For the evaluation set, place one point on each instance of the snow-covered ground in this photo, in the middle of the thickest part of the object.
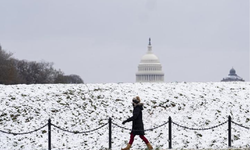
(85, 107)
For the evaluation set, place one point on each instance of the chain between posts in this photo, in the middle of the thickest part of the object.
(248, 128)
(170, 122)
(200, 128)
(81, 132)
(22, 133)
(78, 132)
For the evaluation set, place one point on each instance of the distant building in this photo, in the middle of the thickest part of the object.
(232, 76)
(149, 68)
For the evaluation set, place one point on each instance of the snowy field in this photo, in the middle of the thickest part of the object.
(84, 107)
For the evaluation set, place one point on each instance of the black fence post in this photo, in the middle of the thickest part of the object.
(170, 133)
(49, 134)
(110, 133)
(229, 131)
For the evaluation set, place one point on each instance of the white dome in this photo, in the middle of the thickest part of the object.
(149, 68)
(149, 58)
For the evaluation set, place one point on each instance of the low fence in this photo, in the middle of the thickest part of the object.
(110, 123)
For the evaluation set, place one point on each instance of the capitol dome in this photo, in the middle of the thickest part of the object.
(149, 68)
(150, 58)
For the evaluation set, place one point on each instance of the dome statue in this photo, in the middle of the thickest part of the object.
(149, 68)
(232, 76)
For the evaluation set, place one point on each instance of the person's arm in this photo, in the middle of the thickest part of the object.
(135, 115)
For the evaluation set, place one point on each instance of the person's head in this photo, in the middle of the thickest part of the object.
(136, 100)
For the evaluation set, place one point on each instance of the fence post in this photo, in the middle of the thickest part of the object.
(229, 131)
(170, 133)
(110, 133)
(49, 134)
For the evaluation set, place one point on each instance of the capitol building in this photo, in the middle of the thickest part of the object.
(149, 68)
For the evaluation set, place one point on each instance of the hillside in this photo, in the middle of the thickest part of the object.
(82, 107)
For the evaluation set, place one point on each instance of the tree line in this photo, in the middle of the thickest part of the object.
(14, 71)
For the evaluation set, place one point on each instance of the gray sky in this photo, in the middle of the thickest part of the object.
(104, 40)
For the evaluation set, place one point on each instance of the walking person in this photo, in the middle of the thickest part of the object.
(137, 126)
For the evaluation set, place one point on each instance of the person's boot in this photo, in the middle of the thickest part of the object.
(149, 146)
(127, 148)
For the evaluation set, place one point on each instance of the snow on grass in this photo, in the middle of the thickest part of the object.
(84, 107)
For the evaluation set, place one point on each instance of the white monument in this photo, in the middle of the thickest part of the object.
(149, 69)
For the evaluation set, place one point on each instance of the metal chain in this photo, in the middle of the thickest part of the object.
(121, 126)
(200, 128)
(151, 129)
(78, 132)
(241, 125)
(24, 132)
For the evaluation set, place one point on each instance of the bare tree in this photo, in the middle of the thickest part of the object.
(13, 71)
(7, 68)
(74, 79)
(69, 79)
(36, 72)
(60, 78)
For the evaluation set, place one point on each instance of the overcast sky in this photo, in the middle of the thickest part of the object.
(103, 40)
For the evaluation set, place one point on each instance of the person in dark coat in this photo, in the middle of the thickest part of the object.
(137, 126)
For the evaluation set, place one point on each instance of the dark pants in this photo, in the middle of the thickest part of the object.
(132, 136)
